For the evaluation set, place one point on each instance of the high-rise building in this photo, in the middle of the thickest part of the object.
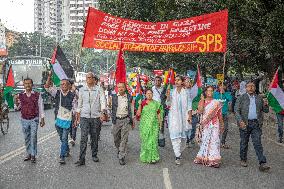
(47, 18)
(61, 18)
(75, 15)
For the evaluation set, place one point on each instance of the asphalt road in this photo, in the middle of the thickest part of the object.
(48, 173)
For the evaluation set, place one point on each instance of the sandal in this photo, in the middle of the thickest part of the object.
(216, 165)
(225, 146)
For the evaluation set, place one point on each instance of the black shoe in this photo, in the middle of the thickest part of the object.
(244, 163)
(62, 161)
(80, 163)
(33, 159)
(280, 140)
(96, 159)
(122, 161)
(263, 167)
(27, 158)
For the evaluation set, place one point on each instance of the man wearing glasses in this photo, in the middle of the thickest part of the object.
(91, 112)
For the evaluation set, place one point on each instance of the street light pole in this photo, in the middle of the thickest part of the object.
(40, 44)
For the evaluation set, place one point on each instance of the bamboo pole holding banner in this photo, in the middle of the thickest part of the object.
(224, 64)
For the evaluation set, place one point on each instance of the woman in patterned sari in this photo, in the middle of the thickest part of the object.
(212, 125)
(151, 113)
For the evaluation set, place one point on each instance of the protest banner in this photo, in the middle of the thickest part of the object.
(205, 33)
(158, 72)
(211, 81)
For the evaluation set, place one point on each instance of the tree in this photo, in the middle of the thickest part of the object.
(28, 44)
(255, 32)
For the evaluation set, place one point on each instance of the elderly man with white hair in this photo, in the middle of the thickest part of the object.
(90, 114)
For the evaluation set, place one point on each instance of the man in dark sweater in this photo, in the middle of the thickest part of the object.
(64, 103)
(122, 120)
(31, 106)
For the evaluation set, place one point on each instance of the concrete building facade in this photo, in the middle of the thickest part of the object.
(61, 18)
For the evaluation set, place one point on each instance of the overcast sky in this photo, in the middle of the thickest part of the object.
(17, 15)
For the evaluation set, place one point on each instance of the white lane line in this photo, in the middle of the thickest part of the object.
(167, 180)
(22, 149)
(271, 140)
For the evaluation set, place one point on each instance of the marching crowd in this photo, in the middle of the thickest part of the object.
(204, 122)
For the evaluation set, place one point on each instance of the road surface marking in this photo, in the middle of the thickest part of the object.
(167, 180)
(22, 149)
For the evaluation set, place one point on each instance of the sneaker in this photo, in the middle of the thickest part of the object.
(187, 144)
(96, 159)
(177, 161)
(280, 140)
(80, 163)
(122, 161)
(263, 167)
(244, 163)
(72, 142)
(62, 161)
(225, 146)
(27, 158)
(33, 159)
(67, 154)
(191, 144)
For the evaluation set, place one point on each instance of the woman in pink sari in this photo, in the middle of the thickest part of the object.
(211, 125)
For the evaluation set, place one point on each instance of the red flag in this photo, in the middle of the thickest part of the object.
(120, 73)
(10, 82)
(198, 80)
(172, 76)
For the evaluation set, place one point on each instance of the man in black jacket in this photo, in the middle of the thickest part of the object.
(249, 114)
(122, 120)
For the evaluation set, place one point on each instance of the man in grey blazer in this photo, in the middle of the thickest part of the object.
(249, 110)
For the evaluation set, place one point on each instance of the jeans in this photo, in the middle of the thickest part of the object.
(29, 128)
(63, 135)
(255, 131)
(280, 119)
(90, 126)
(193, 130)
(226, 125)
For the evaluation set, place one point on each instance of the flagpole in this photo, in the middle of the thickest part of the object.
(224, 64)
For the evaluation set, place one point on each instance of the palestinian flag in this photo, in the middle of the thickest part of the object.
(196, 90)
(138, 92)
(61, 67)
(275, 96)
(9, 87)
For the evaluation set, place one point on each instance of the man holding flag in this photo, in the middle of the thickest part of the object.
(64, 103)
(122, 109)
(276, 101)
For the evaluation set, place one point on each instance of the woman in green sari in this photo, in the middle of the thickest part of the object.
(151, 113)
